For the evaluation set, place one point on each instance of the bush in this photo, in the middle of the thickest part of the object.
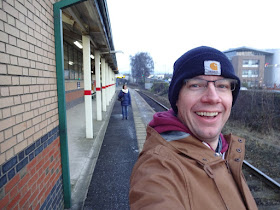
(257, 110)
(160, 88)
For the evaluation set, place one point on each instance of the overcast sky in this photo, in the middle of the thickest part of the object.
(166, 29)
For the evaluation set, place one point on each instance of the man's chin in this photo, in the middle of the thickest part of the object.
(209, 137)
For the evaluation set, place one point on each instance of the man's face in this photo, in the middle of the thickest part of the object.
(206, 111)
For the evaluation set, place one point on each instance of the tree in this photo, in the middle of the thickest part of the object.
(142, 65)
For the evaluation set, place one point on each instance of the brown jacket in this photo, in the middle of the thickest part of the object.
(185, 174)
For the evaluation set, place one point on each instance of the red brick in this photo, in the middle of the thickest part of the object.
(52, 179)
(51, 153)
(47, 178)
(49, 188)
(52, 165)
(24, 180)
(16, 207)
(26, 206)
(33, 196)
(31, 186)
(32, 164)
(47, 150)
(33, 179)
(45, 166)
(44, 153)
(56, 153)
(35, 202)
(12, 183)
(73, 95)
(25, 188)
(40, 171)
(39, 180)
(14, 192)
(34, 187)
(39, 157)
(41, 186)
(59, 174)
(41, 194)
(24, 199)
(37, 207)
(58, 165)
(33, 171)
(14, 202)
(40, 164)
(4, 201)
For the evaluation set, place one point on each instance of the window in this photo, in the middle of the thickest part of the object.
(73, 62)
(250, 73)
(250, 63)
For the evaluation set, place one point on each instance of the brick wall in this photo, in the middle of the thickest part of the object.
(28, 102)
(74, 97)
(32, 178)
(73, 94)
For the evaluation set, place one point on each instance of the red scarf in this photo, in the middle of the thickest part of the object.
(167, 121)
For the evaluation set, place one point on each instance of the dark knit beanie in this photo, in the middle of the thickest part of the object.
(200, 61)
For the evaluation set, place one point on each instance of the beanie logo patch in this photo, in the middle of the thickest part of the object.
(212, 68)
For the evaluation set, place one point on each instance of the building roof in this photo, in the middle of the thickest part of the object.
(240, 49)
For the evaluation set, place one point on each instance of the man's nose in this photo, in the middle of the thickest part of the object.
(211, 95)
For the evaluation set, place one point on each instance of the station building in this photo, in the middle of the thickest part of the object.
(256, 68)
(42, 73)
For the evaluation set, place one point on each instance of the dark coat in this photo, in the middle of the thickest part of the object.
(126, 98)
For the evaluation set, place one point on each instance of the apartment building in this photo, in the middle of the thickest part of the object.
(256, 68)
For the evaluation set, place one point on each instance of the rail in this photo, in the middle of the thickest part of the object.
(260, 173)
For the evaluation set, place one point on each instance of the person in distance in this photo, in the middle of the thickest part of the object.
(186, 163)
(125, 99)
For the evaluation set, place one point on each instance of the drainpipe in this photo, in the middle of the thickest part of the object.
(59, 57)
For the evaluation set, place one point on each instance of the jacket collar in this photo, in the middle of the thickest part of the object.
(195, 149)
(167, 121)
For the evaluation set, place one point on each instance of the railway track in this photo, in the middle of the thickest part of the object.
(265, 190)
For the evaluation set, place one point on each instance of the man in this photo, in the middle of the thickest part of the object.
(186, 162)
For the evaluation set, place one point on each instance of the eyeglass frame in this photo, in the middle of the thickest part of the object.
(233, 82)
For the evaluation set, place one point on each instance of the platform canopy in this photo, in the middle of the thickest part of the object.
(91, 18)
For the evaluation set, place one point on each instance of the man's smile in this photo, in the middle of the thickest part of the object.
(207, 114)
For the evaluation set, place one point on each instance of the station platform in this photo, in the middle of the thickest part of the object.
(100, 167)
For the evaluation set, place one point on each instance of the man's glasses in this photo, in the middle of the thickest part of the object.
(221, 85)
